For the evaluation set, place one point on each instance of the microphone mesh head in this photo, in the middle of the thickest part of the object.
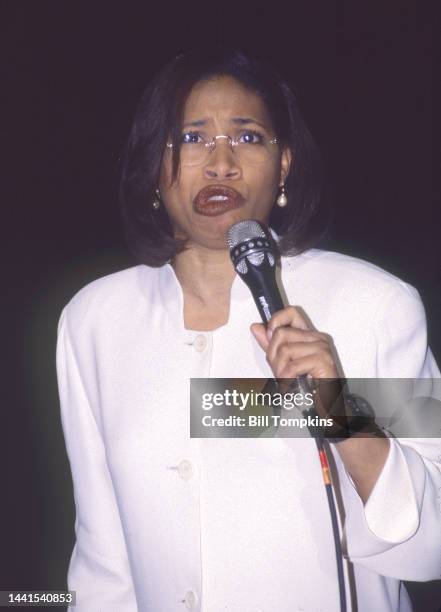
(245, 230)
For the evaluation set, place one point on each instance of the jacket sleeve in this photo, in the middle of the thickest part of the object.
(99, 569)
(397, 533)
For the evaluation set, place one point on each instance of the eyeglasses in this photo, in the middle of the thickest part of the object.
(250, 147)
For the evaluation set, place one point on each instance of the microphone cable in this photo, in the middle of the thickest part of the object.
(254, 255)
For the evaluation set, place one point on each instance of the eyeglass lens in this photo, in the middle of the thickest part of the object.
(248, 148)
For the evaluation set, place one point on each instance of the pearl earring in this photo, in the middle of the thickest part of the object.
(156, 200)
(282, 200)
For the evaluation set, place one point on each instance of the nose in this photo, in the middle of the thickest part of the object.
(221, 163)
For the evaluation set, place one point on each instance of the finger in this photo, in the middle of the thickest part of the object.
(292, 336)
(287, 351)
(259, 332)
(288, 316)
(309, 365)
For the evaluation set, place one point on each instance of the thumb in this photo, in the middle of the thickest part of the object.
(259, 332)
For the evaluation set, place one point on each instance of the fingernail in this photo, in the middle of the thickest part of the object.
(269, 334)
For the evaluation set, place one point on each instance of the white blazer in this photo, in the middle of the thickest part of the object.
(166, 523)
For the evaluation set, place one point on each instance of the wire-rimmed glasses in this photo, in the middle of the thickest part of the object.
(249, 147)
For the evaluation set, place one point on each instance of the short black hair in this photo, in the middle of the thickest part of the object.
(158, 119)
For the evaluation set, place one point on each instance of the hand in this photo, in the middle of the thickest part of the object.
(294, 348)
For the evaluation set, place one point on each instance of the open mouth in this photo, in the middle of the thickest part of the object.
(214, 200)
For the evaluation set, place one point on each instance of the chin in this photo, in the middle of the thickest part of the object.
(211, 232)
(214, 243)
(223, 222)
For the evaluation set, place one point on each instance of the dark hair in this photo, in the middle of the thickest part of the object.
(159, 118)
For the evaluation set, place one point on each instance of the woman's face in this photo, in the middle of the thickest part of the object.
(209, 197)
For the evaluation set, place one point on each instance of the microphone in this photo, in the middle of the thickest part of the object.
(254, 254)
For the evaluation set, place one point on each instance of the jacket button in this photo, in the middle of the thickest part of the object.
(191, 600)
(200, 343)
(185, 470)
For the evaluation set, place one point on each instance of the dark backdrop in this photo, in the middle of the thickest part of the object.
(367, 79)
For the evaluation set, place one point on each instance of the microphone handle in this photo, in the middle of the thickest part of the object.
(267, 297)
(267, 305)
(262, 284)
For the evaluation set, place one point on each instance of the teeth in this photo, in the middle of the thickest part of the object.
(217, 198)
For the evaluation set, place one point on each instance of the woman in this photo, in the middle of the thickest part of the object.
(165, 522)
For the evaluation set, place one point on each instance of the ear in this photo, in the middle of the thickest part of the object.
(285, 164)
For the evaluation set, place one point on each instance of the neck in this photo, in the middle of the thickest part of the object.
(205, 274)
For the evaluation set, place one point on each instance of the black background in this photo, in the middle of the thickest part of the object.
(367, 76)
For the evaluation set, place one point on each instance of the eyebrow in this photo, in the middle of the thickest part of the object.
(234, 120)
